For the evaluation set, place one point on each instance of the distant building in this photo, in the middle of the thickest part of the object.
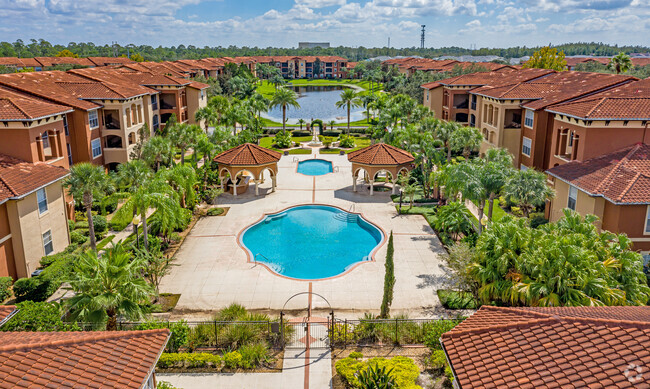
(313, 45)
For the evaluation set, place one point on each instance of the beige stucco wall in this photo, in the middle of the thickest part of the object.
(585, 204)
(195, 100)
(433, 101)
(27, 228)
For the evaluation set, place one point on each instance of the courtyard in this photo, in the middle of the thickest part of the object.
(212, 270)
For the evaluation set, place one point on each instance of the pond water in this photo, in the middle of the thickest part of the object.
(316, 102)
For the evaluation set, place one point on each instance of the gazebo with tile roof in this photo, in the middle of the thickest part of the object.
(377, 158)
(251, 158)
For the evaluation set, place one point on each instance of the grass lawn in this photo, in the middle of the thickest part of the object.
(428, 211)
(267, 89)
(497, 212)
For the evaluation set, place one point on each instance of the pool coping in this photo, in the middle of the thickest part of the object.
(251, 259)
(310, 159)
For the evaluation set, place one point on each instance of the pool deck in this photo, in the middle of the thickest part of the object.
(213, 270)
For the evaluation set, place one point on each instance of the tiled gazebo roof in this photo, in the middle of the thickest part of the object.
(380, 154)
(248, 154)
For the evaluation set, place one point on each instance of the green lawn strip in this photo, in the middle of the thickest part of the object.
(497, 212)
(428, 211)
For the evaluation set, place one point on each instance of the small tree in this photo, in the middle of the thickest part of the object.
(389, 279)
(547, 58)
(156, 266)
(528, 188)
(620, 63)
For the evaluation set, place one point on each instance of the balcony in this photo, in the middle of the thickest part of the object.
(115, 155)
(512, 119)
(112, 119)
(461, 101)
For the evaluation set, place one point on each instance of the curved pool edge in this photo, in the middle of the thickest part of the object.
(251, 259)
(311, 175)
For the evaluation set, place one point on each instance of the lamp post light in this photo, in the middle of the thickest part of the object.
(401, 194)
(136, 222)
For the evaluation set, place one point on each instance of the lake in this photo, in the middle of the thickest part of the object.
(316, 102)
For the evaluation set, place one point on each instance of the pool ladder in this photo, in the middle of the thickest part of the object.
(295, 159)
(259, 255)
(335, 169)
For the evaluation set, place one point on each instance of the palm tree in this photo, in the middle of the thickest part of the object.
(132, 174)
(284, 98)
(208, 114)
(349, 99)
(183, 136)
(182, 180)
(87, 181)
(301, 122)
(466, 139)
(277, 81)
(444, 132)
(157, 150)
(155, 193)
(108, 286)
(620, 63)
(258, 104)
(528, 188)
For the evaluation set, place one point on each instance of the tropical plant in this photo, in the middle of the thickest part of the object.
(108, 286)
(528, 188)
(444, 132)
(389, 279)
(620, 63)
(376, 377)
(452, 219)
(183, 136)
(466, 139)
(132, 174)
(547, 58)
(157, 151)
(349, 98)
(87, 181)
(284, 98)
(38, 316)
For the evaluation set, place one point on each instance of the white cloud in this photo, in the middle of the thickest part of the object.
(473, 24)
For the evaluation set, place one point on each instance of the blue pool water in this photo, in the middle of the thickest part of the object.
(315, 167)
(311, 242)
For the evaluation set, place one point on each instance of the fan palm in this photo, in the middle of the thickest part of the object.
(132, 174)
(444, 132)
(620, 63)
(157, 150)
(183, 136)
(182, 180)
(284, 98)
(108, 286)
(86, 182)
(348, 99)
(528, 188)
(466, 139)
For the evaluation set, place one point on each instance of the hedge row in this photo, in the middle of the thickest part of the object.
(5, 284)
(246, 357)
(403, 370)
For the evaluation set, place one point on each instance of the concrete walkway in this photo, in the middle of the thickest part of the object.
(299, 371)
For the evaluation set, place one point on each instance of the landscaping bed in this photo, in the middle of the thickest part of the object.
(166, 302)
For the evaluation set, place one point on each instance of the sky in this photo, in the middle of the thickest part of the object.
(369, 23)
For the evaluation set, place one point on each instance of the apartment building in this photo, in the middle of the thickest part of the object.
(409, 65)
(572, 62)
(42, 63)
(33, 206)
(614, 186)
(103, 126)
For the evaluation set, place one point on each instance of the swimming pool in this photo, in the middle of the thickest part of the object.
(315, 167)
(311, 242)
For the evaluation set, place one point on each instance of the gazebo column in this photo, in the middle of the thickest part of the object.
(234, 186)
(257, 187)
(372, 186)
(354, 183)
(394, 185)
(273, 179)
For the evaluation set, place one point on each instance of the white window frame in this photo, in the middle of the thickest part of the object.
(47, 240)
(646, 230)
(93, 119)
(96, 144)
(530, 115)
(528, 146)
(569, 198)
(41, 198)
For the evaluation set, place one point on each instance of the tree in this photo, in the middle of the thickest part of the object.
(156, 266)
(459, 260)
(108, 286)
(143, 136)
(182, 180)
(284, 98)
(547, 58)
(137, 58)
(66, 53)
(277, 81)
(183, 136)
(620, 63)
(156, 151)
(258, 104)
(467, 139)
(301, 122)
(528, 188)
(132, 174)
(452, 220)
(86, 182)
(444, 132)
(349, 99)
(389, 279)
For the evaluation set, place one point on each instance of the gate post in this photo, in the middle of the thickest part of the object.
(281, 330)
(331, 329)
(345, 334)
(396, 331)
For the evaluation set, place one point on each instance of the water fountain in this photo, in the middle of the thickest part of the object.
(315, 142)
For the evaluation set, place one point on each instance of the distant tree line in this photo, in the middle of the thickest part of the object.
(43, 48)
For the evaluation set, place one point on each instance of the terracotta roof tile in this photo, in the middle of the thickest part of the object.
(248, 154)
(621, 177)
(5, 312)
(380, 154)
(549, 347)
(19, 178)
(16, 106)
(79, 359)
(495, 78)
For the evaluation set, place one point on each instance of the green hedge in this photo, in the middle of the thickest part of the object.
(435, 331)
(404, 370)
(5, 284)
(77, 237)
(300, 133)
(189, 360)
(335, 133)
(43, 286)
(179, 331)
(38, 316)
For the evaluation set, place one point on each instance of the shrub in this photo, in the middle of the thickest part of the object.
(355, 355)
(5, 284)
(80, 215)
(389, 279)
(81, 224)
(71, 225)
(283, 140)
(253, 354)
(435, 331)
(346, 142)
(179, 332)
(100, 224)
(516, 211)
(437, 360)
(232, 360)
(83, 231)
(452, 299)
(231, 313)
(165, 385)
(191, 360)
(118, 226)
(214, 211)
(38, 316)
(76, 237)
(537, 219)
(300, 133)
(403, 370)
(376, 377)
(32, 289)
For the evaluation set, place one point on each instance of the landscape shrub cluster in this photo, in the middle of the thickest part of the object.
(38, 316)
(39, 288)
(5, 285)
(404, 371)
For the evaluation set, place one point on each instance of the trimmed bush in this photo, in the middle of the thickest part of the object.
(404, 371)
(232, 359)
(298, 133)
(77, 237)
(100, 224)
(190, 360)
(117, 227)
(43, 286)
(81, 224)
(214, 211)
(333, 133)
(5, 284)
(38, 316)
(355, 355)
(389, 279)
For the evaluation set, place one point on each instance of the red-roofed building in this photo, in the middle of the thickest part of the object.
(6, 312)
(97, 359)
(614, 186)
(555, 347)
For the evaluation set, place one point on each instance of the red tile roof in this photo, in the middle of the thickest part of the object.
(106, 359)
(494, 78)
(573, 347)
(248, 154)
(6, 311)
(19, 178)
(16, 106)
(621, 177)
(380, 154)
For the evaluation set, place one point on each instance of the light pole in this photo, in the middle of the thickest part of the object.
(136, 221)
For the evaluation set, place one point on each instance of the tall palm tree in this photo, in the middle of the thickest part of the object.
(208, 114)
(157, 150)
(86, 182)
(284, 98)
(258, 104)
(301, 122)
(466, 139)
(109, 286)
(220, 105)
(182, 180)
(349, 99)
(528, 188)
(132, 174)
(183, 136)
(444, 132)
(620, 63)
